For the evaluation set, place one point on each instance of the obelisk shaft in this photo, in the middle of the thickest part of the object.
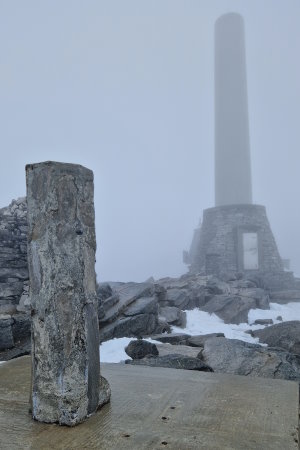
(232, 147)
(61, 258)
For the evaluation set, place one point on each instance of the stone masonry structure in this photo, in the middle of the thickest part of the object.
(66, 382)
(219, 247)
(235, 235)
(13, 254)
(14, 321)
(232, 142)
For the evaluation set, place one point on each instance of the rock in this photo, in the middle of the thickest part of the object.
(172, 361)
(285, 335)
(143, 305)
(172, 338)
(174, 283)
(173, 315)
(259, 295)
(138, 349)
(279, 318)
(163, 326)
(13, 252)
(21, 327)
(103, 291)
(256, 280)
(134, 326)
(263, 322)
(242, 358)
(19, 349)
(24, 303)
(132, 311)
(186, 292)
(232, 309)
(8, 309)
(285, 296)
(217, 287)
(184, 350)
(104, 391)
(6, 335)
(100, 311)
(129, 299)
(109, 302)
(230, 276)
(199, 341)
(61, 259)
(129, 292)
(180, 298)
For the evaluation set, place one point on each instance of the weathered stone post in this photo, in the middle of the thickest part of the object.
(66, 382)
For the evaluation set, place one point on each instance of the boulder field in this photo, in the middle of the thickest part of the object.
(150, 309)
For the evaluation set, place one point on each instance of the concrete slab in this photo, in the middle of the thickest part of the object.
(155, 408)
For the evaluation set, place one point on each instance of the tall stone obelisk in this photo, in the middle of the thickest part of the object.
(232, 147)
(235, 235)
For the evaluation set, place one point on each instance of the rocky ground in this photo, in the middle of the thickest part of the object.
(151, 309)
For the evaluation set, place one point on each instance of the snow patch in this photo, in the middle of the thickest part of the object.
(289, 311)
(113, 351)
(200, 322)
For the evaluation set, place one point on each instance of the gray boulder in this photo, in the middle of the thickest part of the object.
(172, 338)
(173, 315)
(8, 309)
(6, 335)
(131, 311)
(143, 305)
(242, 358)
(217, 287)
(133, 326)
(139, 349)
(129, 292)
(163, 326)
(285, 335)
(286, 296)
(103, 291)
(184, 350)
(20, 349)
(199, 340)
(124, 296)
(172, 361)
(263, 322)
(21, 327)
(234, 308)
(109, 302)
(179, 298)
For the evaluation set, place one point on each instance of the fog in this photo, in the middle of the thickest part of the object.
(127, 89)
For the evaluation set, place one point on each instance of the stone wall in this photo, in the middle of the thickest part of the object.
(219, 244)
(13, 254)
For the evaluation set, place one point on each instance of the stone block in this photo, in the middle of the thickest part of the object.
(66, 384)
(6, 336)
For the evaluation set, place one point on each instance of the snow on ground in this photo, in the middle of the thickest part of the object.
(200, 322)
(290, 311)
(113, 351)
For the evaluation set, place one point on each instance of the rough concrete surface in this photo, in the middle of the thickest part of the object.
(155, 408)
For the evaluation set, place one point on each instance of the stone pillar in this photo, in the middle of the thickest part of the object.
(66, 382)
(232, 144)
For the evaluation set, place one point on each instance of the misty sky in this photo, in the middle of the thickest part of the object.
(126, 89)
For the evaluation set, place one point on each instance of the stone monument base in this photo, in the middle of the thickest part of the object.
(238, 238)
